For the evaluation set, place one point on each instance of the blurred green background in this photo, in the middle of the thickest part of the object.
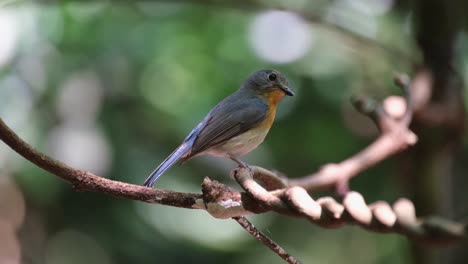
(114, 87)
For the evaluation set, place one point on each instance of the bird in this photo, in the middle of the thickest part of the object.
(236, 125)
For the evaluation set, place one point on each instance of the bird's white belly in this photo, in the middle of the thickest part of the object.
(240, 145)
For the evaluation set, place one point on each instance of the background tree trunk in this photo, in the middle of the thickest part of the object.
(430, 167)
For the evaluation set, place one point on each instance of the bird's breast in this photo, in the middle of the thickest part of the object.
(247, 141)
(244, 143)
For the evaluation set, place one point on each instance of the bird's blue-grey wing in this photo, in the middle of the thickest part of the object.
(231, 117)
(227, 120)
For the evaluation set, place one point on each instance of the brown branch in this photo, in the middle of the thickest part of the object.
(86, 181)
(377, 217)
(245, 178)
(249, 227)
(395, 137)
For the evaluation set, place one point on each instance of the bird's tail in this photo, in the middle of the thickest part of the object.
(168, 162)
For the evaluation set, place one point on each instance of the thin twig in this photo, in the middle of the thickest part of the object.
(268, 242)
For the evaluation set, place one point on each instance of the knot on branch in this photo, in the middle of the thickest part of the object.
(220, 200)
(216, 192)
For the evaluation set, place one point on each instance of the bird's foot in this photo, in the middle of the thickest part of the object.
(240, 163)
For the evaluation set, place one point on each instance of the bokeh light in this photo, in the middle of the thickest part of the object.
(83, 147)
(86, 11)
(280, 36)
(16, 101)
(12, 213)
(12, 204)
(371, 7)
(356, 20)
(9, 33)
(10, 251)
(79, 99)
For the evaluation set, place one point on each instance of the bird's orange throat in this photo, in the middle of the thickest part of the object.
(274, 97)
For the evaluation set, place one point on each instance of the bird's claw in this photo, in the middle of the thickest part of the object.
(240, 167)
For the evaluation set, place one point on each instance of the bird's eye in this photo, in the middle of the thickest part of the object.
(272, 77)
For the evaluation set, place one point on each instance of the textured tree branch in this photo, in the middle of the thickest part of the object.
(377, 217)
(395, 137)
(86, 181)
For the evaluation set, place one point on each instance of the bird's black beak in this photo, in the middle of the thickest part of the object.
(287, 90)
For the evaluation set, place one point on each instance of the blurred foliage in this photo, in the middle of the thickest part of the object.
(155, 69)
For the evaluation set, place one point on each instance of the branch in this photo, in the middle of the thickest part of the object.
(249, 227)
(392, 119)
(86, 181)
(377, 217)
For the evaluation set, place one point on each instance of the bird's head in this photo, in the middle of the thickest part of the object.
(270, 84)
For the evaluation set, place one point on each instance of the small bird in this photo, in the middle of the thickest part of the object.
(235, 126)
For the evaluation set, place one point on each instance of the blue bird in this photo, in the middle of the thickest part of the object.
(234, 127)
